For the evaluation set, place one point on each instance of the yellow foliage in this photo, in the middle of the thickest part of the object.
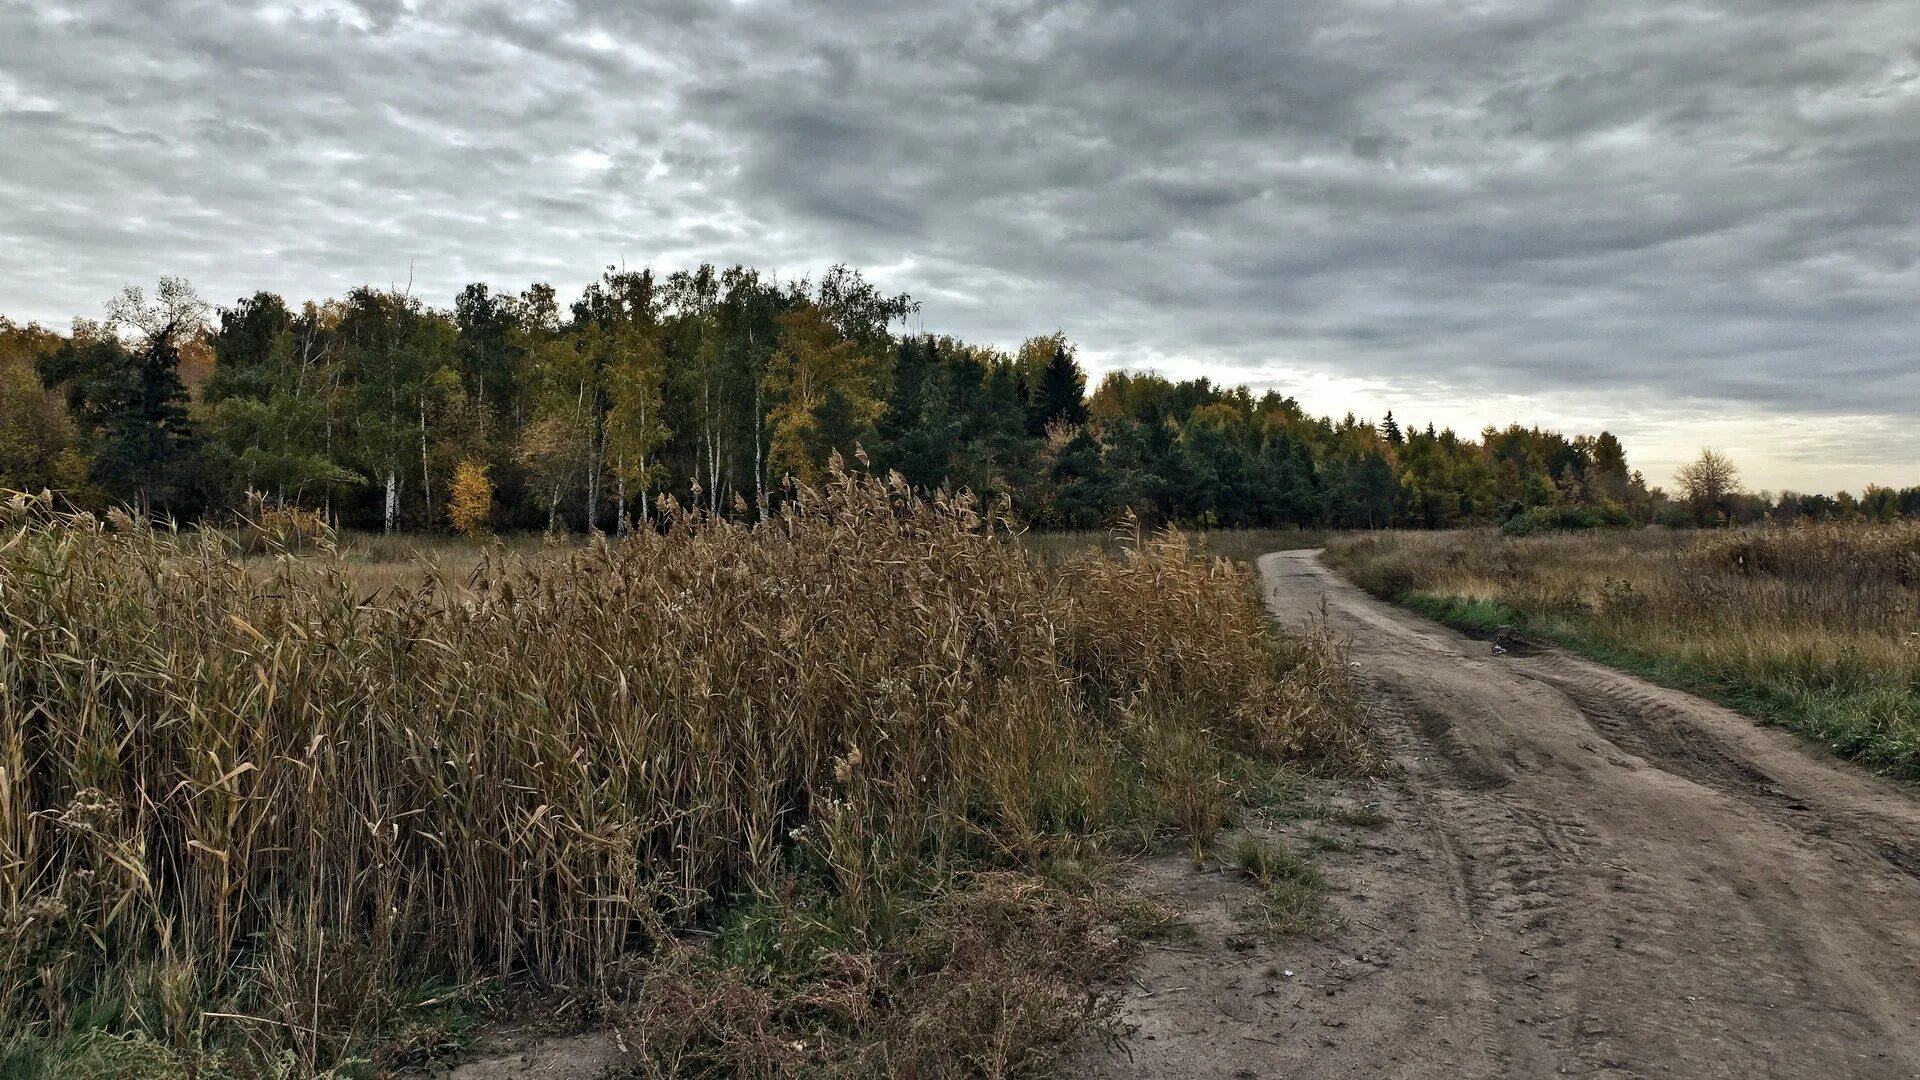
(814, 358)
(472, 498)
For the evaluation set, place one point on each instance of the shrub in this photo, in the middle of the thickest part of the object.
(271, 527)
(1539, 519)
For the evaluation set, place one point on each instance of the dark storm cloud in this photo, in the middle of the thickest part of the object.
(1651, 199)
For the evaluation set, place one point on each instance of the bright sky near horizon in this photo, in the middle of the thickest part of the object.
(1686, 222)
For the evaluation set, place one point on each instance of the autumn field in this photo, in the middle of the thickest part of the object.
(1813, 627)
(836, 794)
(1237, 545)
(375, 561)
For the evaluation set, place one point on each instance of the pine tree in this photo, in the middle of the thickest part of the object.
(1061, 396)
(1081, 498)
(128, 400)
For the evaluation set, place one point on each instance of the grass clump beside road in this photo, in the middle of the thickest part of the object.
(1290, 900)
(1815, 628)
(835, 794)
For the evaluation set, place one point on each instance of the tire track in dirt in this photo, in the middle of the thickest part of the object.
(1588, 875)
(1650, 723)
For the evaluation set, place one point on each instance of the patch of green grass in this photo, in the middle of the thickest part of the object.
(1268, 861)
(1871, 721)
(1855, 714)
(93, 1054)
(766, 939)
(1283, 794)
(102, 1055)
(443, 1019)
(1326, 841)
(1464, 613)
(1292, 893)
(1277, 792)
(1292, 907)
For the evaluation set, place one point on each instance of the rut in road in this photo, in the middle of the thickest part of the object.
(1588, 875)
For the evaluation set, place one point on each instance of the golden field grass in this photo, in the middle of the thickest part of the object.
(1815, 627)
(1239, 545)
(375, 561)
(837, 794)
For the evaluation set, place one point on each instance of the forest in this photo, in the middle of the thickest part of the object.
(717, 389)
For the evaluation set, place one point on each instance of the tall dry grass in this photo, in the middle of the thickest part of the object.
(1238, 545)
(262, 814)
(1814, 626)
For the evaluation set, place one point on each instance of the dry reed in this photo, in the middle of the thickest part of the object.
(259, 812)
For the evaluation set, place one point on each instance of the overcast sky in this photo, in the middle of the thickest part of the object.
(1686, 222)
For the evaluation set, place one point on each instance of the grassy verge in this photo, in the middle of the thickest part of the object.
(1813, 630)
(836, 795)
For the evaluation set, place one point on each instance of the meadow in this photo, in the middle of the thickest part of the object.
(840, 793)
(1815, 627)
(1237, 545)
(374, 560)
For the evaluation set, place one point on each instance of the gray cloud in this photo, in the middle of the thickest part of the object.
(1643, 201)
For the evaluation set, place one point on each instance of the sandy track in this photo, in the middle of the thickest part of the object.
(1587, 875)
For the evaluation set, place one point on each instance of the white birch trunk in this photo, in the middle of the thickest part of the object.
(759, 465)
(620, 498)
(426, 471)
(593, 489)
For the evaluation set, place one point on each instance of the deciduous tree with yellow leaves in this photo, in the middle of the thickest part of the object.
(812, 363)
(471, 500)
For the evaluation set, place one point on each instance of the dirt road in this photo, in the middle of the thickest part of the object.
(1585, 875)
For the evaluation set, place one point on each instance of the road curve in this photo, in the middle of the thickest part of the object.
(1651, 885)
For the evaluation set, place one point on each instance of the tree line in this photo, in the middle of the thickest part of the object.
(1709, 493)
(716, 388)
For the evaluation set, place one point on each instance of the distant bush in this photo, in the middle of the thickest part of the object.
(267, 527)
(1542, 519)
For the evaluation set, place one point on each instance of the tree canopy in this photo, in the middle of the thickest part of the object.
(715, 386)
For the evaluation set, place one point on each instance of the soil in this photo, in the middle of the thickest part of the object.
(537, 1056)
(1582, 874)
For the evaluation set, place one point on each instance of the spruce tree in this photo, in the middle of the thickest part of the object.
(1061, 396)
(131, 409)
